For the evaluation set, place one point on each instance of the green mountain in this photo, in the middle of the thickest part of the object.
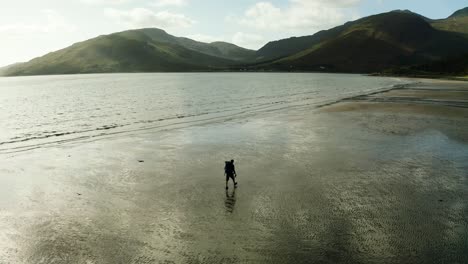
(4, 69)
(233, 52)
(145, 50)
(399, 39)
(460, 13)
(370, 44)
(286, 47)
(458, 22)
(217, 49)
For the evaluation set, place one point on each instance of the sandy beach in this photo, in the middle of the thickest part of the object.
(378, 178)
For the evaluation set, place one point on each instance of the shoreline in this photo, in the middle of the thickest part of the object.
(422, 76)
(410, 76)
(420, 94)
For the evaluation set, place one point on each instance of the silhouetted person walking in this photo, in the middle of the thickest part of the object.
(230, 172)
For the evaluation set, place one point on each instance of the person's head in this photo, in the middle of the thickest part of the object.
(232, 161)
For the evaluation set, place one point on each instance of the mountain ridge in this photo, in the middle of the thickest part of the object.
(460, 13)
(212, 49)
(457, 22)
(399, 38)
(370, 44)
(129, 51)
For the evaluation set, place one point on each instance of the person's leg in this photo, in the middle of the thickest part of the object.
(227, 181)
(234, 180)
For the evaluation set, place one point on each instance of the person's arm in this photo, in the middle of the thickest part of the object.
(234, 170)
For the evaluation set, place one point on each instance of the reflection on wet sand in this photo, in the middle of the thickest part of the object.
(346, 185)
(230, 201)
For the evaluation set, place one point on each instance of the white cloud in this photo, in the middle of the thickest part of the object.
(166, 3)
(50, 22)
(142, 17)
(299, 16)
(105, 2)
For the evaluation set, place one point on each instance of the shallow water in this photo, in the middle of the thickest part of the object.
(53, 109)
(314, 187)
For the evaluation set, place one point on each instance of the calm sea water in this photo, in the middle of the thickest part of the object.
(36, 111)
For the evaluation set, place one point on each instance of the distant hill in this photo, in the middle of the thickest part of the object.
(146, 50)
(231, 51)
(406, 11)
(286, 47)
(399, 39)
(4, 69)
(460, 13)
(217, 49)
(370, 44)
(458, 22)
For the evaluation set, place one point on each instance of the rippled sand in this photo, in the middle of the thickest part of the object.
(363, 181)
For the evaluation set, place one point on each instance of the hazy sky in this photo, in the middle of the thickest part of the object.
(30, 28)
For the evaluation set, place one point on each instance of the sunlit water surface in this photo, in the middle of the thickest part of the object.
(35, 111)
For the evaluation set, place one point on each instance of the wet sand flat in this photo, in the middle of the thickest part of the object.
(372, 179)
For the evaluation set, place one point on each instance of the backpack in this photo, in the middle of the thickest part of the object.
(228, 167)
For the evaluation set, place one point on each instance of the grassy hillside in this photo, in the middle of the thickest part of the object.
(374, 43)
(4, 69)
(130, 51)
(217, 49)
(460, 13)
(286, 47)
(232, 52)
(458, 22)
